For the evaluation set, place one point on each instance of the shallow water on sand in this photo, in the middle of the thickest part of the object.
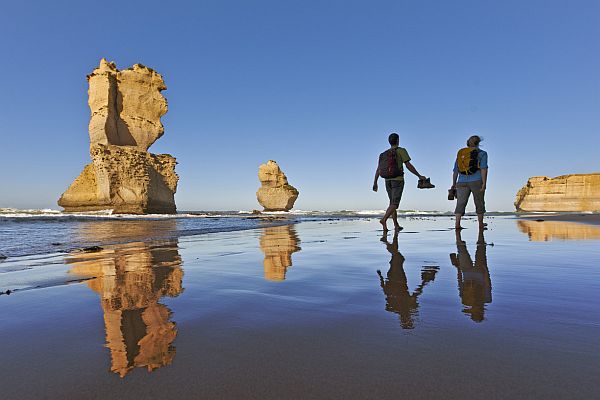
(323, 309)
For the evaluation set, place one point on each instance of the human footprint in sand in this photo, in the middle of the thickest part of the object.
(391, 168)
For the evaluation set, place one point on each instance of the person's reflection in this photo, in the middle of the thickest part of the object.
(474, 283)
(397, 296)
(131, 279)
(278, 243)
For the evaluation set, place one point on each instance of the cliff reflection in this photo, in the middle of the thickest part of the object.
(543, 231)
(474, 283)
(130, 280)
(398, 298)
(126, 230)
(278, 243)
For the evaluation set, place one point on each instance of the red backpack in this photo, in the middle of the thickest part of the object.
(389, 167)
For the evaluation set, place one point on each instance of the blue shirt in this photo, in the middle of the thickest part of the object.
(483, 163)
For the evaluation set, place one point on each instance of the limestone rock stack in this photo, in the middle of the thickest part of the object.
(577, 192)
(126, 107)
(275, 193)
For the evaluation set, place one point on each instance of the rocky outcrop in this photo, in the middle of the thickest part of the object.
(275, 193)
(126, 107)
(577, 192)
(278, 243)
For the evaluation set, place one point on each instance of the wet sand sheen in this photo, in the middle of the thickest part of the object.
(300, 312)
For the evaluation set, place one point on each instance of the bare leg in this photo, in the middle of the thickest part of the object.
(390, 210)
(457, 226)
(481, 223)
(397, 226)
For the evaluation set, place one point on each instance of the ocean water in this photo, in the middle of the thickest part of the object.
(47, 231)
(318, 307)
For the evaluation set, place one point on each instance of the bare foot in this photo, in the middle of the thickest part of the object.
(385, 228)
(398, 228)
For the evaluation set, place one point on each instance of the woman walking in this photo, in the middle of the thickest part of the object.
(470, 176)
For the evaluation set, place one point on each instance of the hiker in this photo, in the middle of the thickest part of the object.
(470, 176)
(390, 167)
(474, 282)
(398, 298)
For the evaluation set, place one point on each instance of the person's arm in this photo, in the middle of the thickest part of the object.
(484, 175)
(454, 178)
(412, 169)
(484, 170)
(375, 180)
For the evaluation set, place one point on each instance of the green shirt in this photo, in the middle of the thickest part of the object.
(402, 157)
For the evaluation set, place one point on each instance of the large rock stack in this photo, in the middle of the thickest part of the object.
(275, 193)
(126, 107)
(577, 192)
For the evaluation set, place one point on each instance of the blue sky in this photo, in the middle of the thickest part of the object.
(314, 85)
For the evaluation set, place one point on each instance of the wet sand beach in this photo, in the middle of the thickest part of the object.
(592, 219)
(329, 309)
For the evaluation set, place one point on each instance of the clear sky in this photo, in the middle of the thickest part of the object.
(315, 85)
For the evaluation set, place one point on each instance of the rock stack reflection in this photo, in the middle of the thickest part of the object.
(474, 283)
(543, 231)
(398, 298)
(130, 280)
(278, 243)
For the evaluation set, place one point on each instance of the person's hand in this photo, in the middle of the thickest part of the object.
(483, 187)
(375, 187)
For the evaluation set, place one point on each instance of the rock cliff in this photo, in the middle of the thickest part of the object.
(275, 193)
(126, 107)
(577, 192)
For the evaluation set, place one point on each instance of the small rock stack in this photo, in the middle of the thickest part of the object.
(275, 193)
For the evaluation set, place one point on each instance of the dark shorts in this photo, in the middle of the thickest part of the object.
(394, 190)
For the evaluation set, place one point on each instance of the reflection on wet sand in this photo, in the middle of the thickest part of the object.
(130, 280)
(543, 231)
(111, 231)
(474, 283)
(278, 243)
(398, 299)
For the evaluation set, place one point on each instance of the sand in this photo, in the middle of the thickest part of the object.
(319, 310)
(593, 219)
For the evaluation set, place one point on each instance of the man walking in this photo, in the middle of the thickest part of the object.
(391, 168)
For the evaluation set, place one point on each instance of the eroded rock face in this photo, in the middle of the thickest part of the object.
(577, 192)
(126, 107)
(275, 193)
